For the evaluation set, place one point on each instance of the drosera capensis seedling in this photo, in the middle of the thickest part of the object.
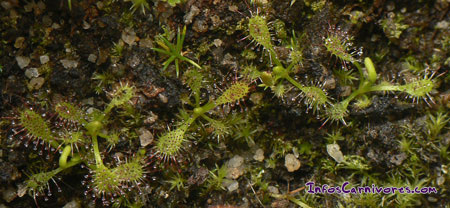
(77, 144)
(171, 143)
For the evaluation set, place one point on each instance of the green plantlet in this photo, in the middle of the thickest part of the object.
(334, 137)
(216, 177)
(279, 90)
(314, 97)
(177, 181)
(174, 51)
(70, 113)
(336, 112)
(259, 31)
(371, 73)
(130, 172)
(362, 102)
(73, 139)
(139, 4)
(220, 129)
(37, 183)
(419, 88)
(246, 132)
(339, 44)
(36, 127)
(346, 77)
(267, 79)
(105, 181)
(169, 144)
(120, 96)
(117, 49)
(233, 94)
(436, 123)
(173, 2)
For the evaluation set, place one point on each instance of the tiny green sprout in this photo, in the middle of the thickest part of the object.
(419, 88)
(139, 4)
(174, 51)
(362, 102)
(169, 144)
(339, 44)
(354, 162)
(177, 181)
(130, 172)
(69, 3)
(371, 73)
(194, 80)
(36, 127)
(233, 94)
(246, 132)
(117, 49)
(279, 90)
(259, 31)
(280, 29)
(436, 123)
(120, 96)
(105, 181)
(216, 177)
(220, 129)
(334, 137)
(267, 79)
(37, 183)
(173, 2)
(314, 97)
(336, 112)
(69, 112)
(345, 77)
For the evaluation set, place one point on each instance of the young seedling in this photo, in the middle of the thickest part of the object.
(174, 51)
(417, 89)
(171, 143)
(314, 97)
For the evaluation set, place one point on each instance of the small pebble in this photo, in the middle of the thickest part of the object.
(145, 136)
(86, 25)
(200, 26)
(443, 25)
(92, 58)
(163, 98)
(235, 162)
(73, 204)
(335, 152)
(6, 5)
(152, 118)
(217, 42)
(36, 83)
(47, 21)
(31, 72)
(233, 8)
(69, 63)
(146, 43)
(56, 26)
(19, 42)
(9, 194)
(232, 185)
(190, 16)
(273, 190)
(440, 180)
(259, 155)
(432, 199)
(22, 61)
(44, 59)
(291, 163)
(235, 167)
(129, 36)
